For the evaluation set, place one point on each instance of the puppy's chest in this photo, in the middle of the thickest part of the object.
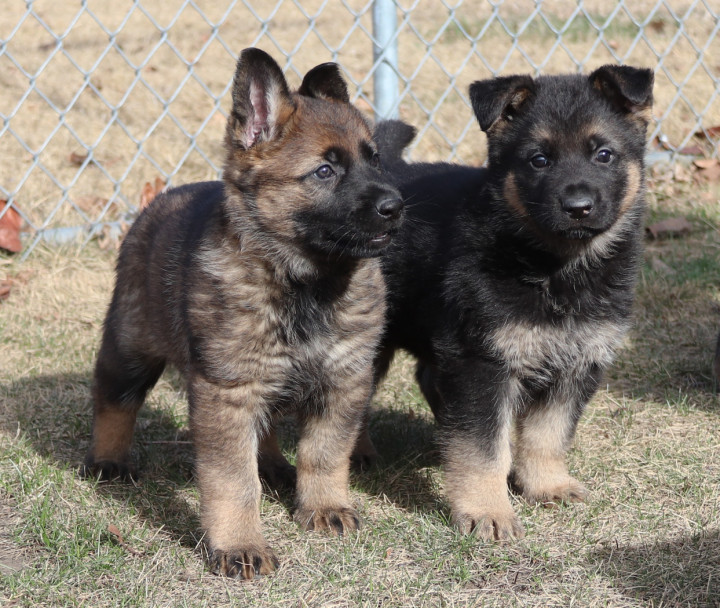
(545, 350)
(297, 341)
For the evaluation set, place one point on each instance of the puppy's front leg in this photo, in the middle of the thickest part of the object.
(226, 424)
(473, 405)
(323, 462)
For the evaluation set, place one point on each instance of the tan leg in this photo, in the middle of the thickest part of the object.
(109, 454)
(476, 487)
(323, 464)
(226, 425)
(543, 437)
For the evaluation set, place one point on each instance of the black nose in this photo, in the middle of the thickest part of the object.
(577, 207)
(390, 208)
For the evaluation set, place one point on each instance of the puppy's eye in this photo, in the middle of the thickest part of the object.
(604, 156)
(539, 161)
(375, 161)
(324, 172)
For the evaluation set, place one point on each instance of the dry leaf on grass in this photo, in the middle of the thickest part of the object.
(112, 235)
(115, 532)
(713, 131)
(77, 159)
(691, 151)
(150, 191)
(708, 169)
(10, 224)
(5, 287)
(90, 204)
(672, 226)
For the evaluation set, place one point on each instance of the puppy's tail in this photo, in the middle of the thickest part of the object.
(392, 137)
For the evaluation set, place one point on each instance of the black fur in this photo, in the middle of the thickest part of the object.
(503, 273)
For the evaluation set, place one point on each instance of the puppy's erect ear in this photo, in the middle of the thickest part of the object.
(392, 137)
(261, 100)
(325, 82)
(629, 89)
(500, 99)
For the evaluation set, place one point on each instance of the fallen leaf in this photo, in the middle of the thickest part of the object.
(691, 151)
(77, 159)
(150, 191)
(90, 204)
(112, 529)
(708, 169)
(111, 235)
(705, 163)
(672, 226)
(657, 24)
(5, 287)
(10, 224)
(709, 132)
(681, 173)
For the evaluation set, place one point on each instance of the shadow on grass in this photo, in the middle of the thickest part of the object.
(408, 460)
(54, 414)
(683, 572)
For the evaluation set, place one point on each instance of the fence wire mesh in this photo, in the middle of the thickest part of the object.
(99, 98)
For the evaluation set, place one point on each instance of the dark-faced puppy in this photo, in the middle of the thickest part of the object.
(265, 291)
(513, 285)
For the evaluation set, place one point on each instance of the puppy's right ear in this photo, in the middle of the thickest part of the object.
(500, 99)
(261, 100)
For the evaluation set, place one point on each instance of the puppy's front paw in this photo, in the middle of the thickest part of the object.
(334, 521)
(566, 491)
(243, 563)
(499, 526)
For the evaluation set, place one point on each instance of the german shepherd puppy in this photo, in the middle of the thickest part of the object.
(266, 292)
(513, 284)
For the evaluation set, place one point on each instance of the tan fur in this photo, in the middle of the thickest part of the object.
(527, 347)
(542, 441)
(513, 198)
(112, 434)
(477, 490)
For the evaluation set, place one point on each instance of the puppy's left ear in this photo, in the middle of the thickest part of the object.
(629, 89)
(325, 82)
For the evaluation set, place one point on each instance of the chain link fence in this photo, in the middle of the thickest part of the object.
(102, 100)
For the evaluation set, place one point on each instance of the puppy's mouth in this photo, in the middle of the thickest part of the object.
(381, 240)
(580, 234)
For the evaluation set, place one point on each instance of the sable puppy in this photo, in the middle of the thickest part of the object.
(265, 291)
(513, 284)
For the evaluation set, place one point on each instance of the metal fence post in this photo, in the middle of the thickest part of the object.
(385, 56)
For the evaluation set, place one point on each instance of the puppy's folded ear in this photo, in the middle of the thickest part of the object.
(629, 89)
(500, 99)
(261, 100)
(325, 82)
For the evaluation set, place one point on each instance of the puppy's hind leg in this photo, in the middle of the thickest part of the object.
(122, 379)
